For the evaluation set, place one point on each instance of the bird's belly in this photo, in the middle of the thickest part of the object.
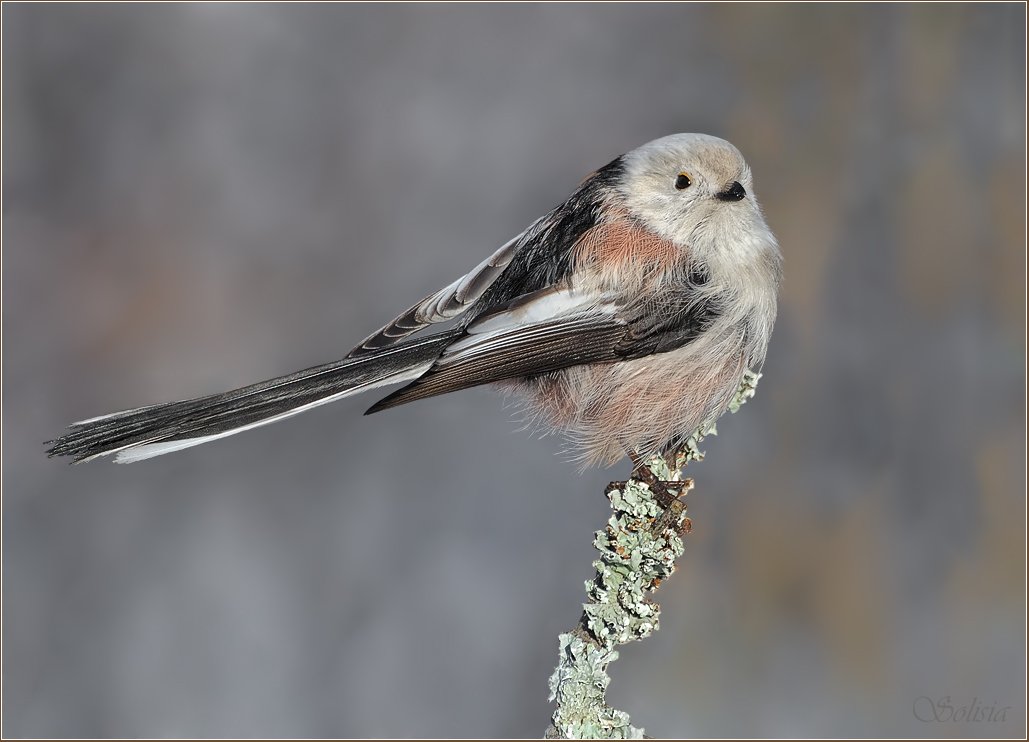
(640, 405)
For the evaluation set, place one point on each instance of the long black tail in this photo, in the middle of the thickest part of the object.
(141, 433)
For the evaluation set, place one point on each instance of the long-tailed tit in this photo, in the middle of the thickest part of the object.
(626, 317)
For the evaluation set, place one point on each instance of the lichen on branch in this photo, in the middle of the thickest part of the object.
(638, 549)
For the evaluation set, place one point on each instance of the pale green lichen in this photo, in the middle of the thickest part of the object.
(632, 560)
(638, 549)
(746, 390)
(578, 685)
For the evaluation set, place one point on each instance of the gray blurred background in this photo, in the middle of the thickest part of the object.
(201, 196)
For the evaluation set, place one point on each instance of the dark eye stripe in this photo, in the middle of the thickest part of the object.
(683, 181)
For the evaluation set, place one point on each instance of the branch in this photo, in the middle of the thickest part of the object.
(638, 549)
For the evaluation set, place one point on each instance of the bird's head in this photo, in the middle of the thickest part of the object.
(697, 191)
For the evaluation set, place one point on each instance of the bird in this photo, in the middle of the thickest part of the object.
(624, 318)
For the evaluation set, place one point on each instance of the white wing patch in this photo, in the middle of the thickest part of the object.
(547, 310)
(540, 307)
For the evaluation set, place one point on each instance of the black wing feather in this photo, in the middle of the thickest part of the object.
(655, 326)
(527, 351)
(545, 258)
(539, 257)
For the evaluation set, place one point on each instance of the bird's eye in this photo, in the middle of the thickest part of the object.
(735, 192)
(683, 181)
